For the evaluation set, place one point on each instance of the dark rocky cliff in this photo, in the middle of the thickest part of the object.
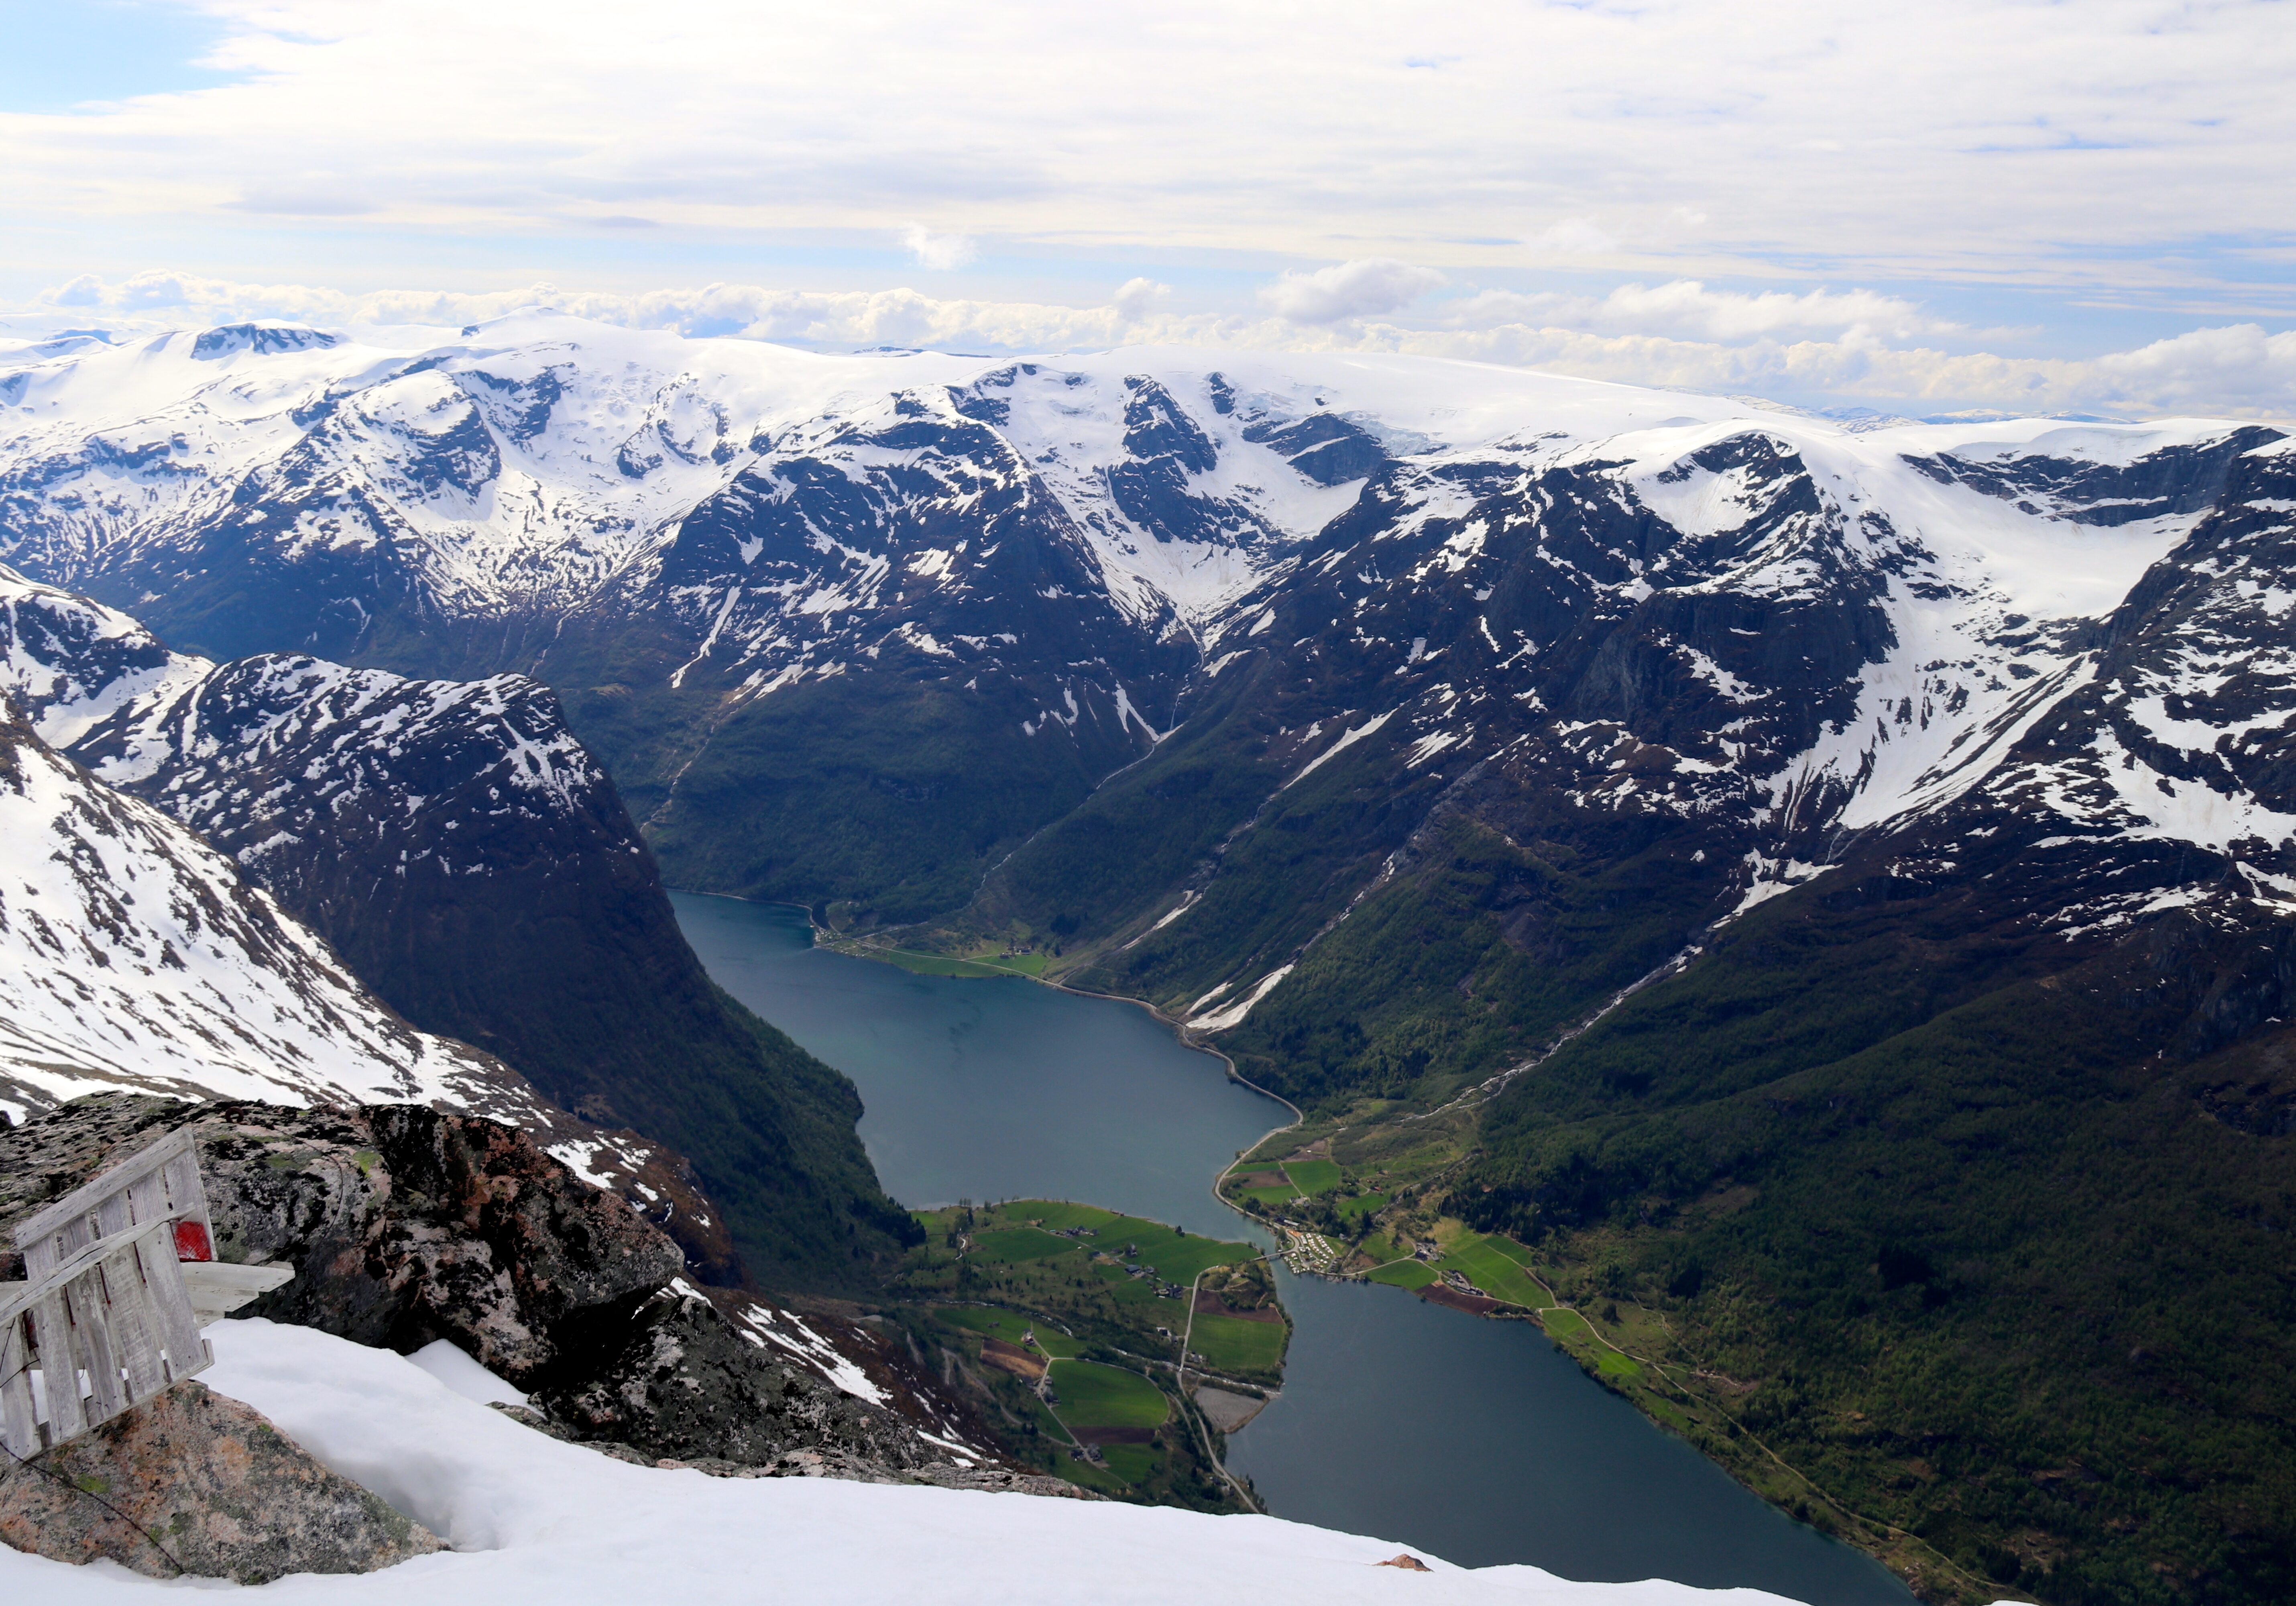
(406, 1225)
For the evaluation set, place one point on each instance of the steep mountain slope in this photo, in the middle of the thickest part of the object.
(133, 955)
(1520, 661)
(1981, 1141)
(469, 860)
(843, 628)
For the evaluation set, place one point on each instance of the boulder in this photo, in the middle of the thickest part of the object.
(194, 1482)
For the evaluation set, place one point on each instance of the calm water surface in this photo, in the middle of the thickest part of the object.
(1477, 1441)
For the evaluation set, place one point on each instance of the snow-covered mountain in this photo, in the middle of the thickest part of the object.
(133, 955)
(1808, 627)
(471, 862)
(1782, 638)
(860, 627)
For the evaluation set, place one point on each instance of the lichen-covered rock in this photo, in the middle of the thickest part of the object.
(405, 1225)
(678, 1379)
(195, 1481)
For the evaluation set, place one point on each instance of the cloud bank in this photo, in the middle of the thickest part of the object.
(2129, 143)
(1815, 348)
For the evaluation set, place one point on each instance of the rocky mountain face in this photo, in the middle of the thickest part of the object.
(470, 861)
(134, 955)
(844, 629)
(406, 1225)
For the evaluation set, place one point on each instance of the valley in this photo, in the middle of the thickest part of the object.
(1799, 907)
(993, 1089)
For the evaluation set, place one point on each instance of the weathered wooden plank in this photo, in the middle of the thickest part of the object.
(20, 1429)
(187, 1196)
(173, 1327)
(134, 1325)
(59, 1363)
(91, 1316)
(142, 1200)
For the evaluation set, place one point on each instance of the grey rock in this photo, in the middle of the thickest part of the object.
(194, 1482)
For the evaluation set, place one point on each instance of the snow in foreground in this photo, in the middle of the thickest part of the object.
(535, 1520)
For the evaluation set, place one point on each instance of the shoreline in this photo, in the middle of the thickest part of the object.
(1713, 1431)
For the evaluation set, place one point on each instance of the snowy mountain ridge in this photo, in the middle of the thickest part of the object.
(1659, 600)
(133, 956)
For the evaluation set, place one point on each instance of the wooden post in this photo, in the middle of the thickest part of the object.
(18, 1424)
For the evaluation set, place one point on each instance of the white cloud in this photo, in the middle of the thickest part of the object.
(1136, 298)
(1744, 344)
(1686, 306)
(942, 253)
(1357, 289)
(1571, 238)
(1993, 139)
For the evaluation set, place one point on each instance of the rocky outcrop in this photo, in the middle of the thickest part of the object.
(406, 1225)
(676, 1378)
(195, 1483)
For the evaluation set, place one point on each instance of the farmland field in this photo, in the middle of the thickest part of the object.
(1406, 1274)
(1008, 1326)
(1232, 1344)
(1093, 1395)
(1493, 1272)
(1313, 1176)
(1019, 1243)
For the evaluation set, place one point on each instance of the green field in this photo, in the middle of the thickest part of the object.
(1093, 1395)
(1006, 1245)
(1177, 1258)
(1008, 1326)
(1379, 1246)
(940, 964)
(1060, 1213)
(1270, 1196)
(1232, 1344)
(1567, 1327)
(1133, 1463)
(1493, 1271)
(1094, 1323)
(1312, 1177)
(1406, 1274)
(1362, 1204)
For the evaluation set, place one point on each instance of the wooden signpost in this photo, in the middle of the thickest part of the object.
(116, 1290)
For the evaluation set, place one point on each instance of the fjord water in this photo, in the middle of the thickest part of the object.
(1477, 1441)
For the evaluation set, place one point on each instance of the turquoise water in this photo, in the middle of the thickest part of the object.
(1476, 1441)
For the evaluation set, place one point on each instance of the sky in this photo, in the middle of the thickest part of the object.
(2078, 206)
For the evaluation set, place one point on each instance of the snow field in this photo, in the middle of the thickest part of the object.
(536, 1522)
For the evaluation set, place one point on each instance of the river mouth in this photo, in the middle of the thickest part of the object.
(1475, 1440)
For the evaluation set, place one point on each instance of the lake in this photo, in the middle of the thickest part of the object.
(1474, 1440)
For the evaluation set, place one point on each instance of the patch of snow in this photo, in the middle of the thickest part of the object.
(1234, 1014)
(534, 1522)
(454, 1366)
(1347, 741)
